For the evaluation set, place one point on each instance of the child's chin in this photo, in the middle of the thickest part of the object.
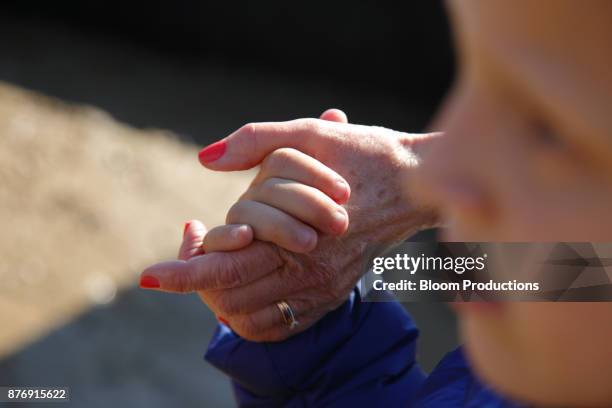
(491, 353)
(499, 362)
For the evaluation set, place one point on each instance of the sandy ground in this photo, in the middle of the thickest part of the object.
(85, 203)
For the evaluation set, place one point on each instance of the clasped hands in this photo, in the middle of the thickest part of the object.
(324, 190)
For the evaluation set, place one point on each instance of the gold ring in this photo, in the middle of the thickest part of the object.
(288, 315)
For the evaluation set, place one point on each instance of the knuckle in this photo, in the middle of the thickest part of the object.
(249, 130)
(310, 125)
(288, 153)
(249, 137)
(234, 214)
(230, 276)
(267, 187)
(184, 282)
(224, 271)
(294, 271)
(278, 160)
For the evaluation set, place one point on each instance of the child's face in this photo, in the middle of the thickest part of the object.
(528, 157)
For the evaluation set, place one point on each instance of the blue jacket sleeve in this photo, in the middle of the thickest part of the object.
(362, 354)
(452, 384)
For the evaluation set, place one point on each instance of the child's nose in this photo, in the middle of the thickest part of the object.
(448, 180)
(454, 170)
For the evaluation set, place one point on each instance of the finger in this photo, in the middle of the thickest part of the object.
(193, 235)
(249, 145)
(292, 164)
(228, 238)
(273, 225)
(279, 284)
(258, 294)
(334, 115)
(216, 270)
(268, 325)
(305, 203)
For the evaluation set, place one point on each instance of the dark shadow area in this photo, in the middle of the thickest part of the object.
(203, 101)
(399, 48)
(143, 350)
(170, 73)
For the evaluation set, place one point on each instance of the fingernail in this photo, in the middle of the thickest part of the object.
(187, 224)
(342, 192)
(339, 221)
(222, 321)
(212, 152)
(306, 238)
(237, 231)
(149, 282)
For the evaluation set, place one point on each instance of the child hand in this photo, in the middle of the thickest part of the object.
(293, 197)
(244, 286)
(229, 237)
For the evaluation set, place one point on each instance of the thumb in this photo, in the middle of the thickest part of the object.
(193, 237)
(334, 115)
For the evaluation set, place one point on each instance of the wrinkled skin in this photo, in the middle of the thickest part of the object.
(243, 286)
(526, 156)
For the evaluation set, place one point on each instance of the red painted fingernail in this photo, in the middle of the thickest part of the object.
(186, 228)
(223, 321)
(149, 282)
(212, 152)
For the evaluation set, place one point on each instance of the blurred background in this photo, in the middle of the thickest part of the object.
(103, 107)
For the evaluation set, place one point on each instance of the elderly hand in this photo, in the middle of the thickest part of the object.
(244, 286)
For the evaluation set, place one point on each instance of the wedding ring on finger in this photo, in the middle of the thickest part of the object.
(288, 315)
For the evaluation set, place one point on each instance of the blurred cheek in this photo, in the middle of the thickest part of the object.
(492, 180)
